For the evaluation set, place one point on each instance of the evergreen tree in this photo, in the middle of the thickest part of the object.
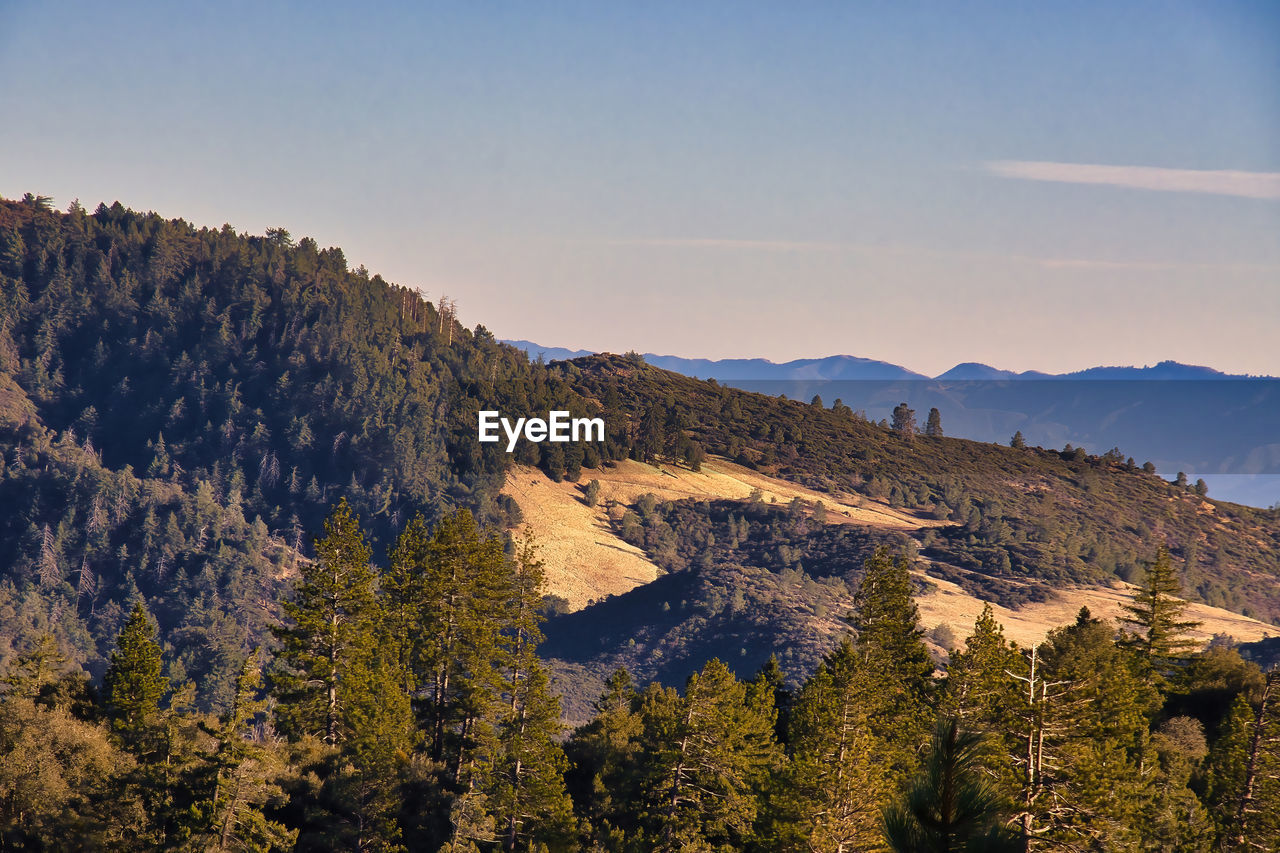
(830, 796)
(246, 765)
(933, 426)
(526, 788)
(330, 628)
(1256, 823)
(983, 694)
(1228, 766)
(892, 656)
(951, 806)
(133, 684)
(1155, 616)
(904, 421)
(705, 758)
(602, 755)
(1097, 738)
(464, 605)
(1018, 442)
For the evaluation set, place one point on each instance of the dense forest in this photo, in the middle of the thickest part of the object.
(407, 709)
(179, 408)
(259, 589)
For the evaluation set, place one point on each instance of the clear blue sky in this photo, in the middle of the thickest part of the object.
(911, 182)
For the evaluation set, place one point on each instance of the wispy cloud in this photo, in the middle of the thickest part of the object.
(1212, 182)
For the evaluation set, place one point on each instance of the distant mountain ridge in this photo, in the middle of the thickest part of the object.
(830, 368)
(837, 367)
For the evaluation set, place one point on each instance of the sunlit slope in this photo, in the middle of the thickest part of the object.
(585, 559)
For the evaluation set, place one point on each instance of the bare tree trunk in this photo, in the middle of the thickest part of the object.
(1251, 770)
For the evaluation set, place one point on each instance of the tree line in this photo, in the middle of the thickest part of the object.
(406, 708)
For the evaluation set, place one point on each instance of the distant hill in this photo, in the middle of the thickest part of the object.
(1180, 417)
(831, 368)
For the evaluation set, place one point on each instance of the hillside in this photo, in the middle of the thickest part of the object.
(1180, 417)
(1022, 520)
(180, 406)
(748, 566)
(586, 557)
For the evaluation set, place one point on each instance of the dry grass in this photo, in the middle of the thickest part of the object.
(585, 560)
(950, 605)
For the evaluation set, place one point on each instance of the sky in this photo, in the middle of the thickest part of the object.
(1030, 185)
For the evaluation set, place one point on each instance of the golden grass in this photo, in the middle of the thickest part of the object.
(586, 560)
(948, 604)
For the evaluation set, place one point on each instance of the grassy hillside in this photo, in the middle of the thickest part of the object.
(1022, 521)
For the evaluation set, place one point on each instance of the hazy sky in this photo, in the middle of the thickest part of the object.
(1031, 185)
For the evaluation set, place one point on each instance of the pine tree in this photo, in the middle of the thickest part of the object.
(329, 631)
(933, 426)
(1228, 766)
(830, 796)
(951, 806)
(526, 788)
(1256, 823)
(980, 692)
(706, 756)
(133, 684)
(904, 421)
(245, 765)
(461, 599)
(601, 757)
(381, 736)
(1098, 738)
(1155, 616)
(892, 656)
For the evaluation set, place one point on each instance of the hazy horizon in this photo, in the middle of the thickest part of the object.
(1032, 188)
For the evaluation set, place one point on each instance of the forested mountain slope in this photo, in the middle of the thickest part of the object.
(180, 406)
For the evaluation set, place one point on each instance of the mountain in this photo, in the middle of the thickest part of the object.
(1188, 418)
(183, 410)
(181, 406)
(831, 368)
(848, 367)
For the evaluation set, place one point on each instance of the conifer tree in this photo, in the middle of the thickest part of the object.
(951, 806)
(464, 601)
(904, 421)
(1155, 616)
(1256, 822)
(706, 756)
(329, 630)
(933, 426)
(830, 796)
(526, 788)
(602, 755)
(981, 693)
(133, 684)
(1100, 742)
(892, 656)
(1227, 766)
(245, 767)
